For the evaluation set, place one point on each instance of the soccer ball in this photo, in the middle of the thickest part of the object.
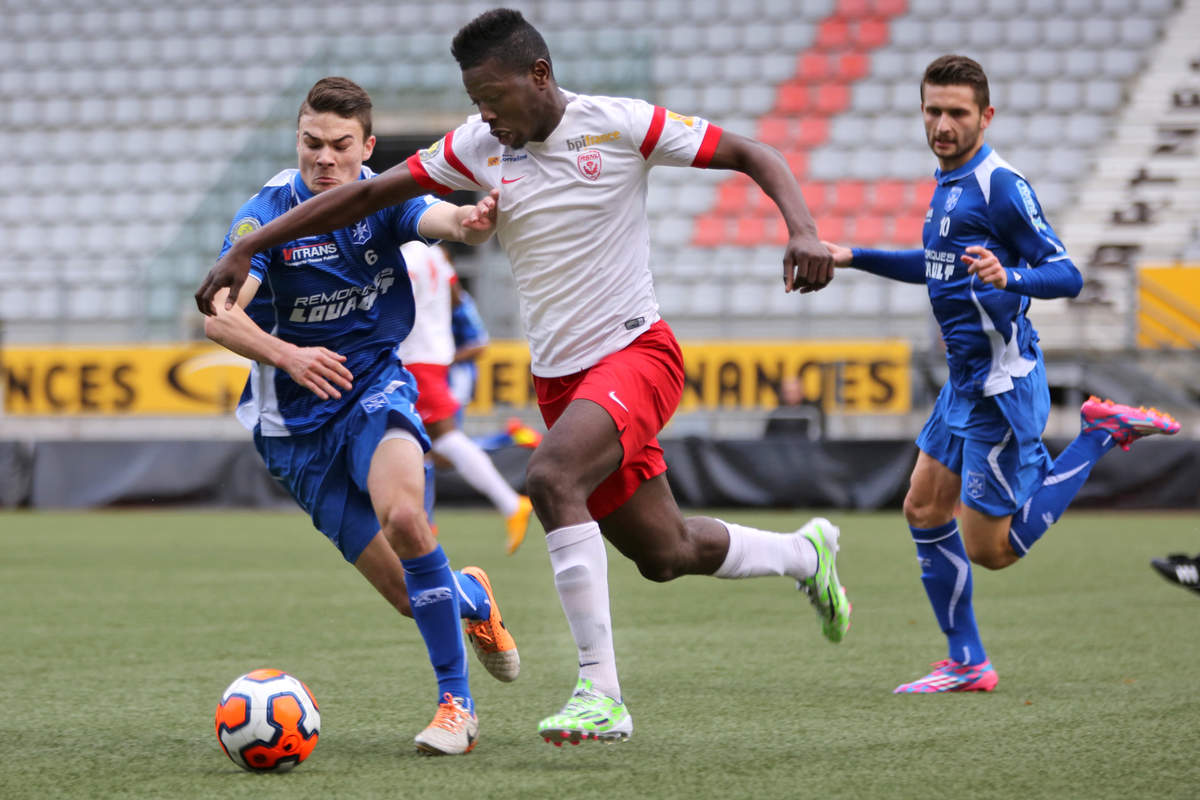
(267, 721)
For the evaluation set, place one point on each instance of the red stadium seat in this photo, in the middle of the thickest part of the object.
(792, 99)
(814, 67)
(849, 197)
(811, 132)
(889, 197)
(831, 227)
(869, 33)
(731, 197)
(798, 162)
(816, 194)
(832, 98)
(906, 229)
(833, 34)
(775, 131)
(869, 230)
(749, 231)
(852, 66)
(709, 231)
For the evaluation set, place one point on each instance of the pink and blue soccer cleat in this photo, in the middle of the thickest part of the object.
(1125, 424)
(951, 676)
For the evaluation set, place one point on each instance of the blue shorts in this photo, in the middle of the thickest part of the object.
(993, 443)
(326, 470)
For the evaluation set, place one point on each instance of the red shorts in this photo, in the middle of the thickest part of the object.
(640, 388)
(434, 401)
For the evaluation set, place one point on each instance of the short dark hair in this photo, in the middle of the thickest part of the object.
(952, 70)
(501, 33)
(340, 96)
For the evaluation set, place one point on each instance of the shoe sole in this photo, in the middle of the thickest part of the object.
(558, 736)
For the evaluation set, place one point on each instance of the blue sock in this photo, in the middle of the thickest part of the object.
(946, 573)
(1066, 478)
(434, 598)
(473, 601)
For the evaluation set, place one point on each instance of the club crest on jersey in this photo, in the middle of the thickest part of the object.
(243, 226)
(362, 232)
(589, 164)
(431, 151)
(975, 484)
(952, 198)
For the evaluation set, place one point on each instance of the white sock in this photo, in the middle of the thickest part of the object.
(477, 469)
(754, 553)
(580, 566)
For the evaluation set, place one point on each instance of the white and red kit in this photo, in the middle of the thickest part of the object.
(572, 217)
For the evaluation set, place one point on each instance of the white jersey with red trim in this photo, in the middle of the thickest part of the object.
(431, 340)
(572, 217)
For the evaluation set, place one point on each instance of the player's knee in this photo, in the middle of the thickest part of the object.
(402, 524)
(657, 566)
(547, 482)
(922, 512)
(991, 555)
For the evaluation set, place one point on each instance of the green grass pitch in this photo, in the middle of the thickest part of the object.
(121, 629)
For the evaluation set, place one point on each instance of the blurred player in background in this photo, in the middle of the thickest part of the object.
(987, 250)
(572, 173)
(427, 352)
(331, 407)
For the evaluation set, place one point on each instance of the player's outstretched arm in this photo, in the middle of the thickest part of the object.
(317, 369)
(328, 211)
(468, 224)
(807, 265)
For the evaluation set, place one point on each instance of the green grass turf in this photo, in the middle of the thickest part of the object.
(121, 629)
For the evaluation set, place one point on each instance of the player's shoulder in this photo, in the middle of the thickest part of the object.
(997, 178)
(274, 198)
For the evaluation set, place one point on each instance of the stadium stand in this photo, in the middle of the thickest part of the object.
(136, 128)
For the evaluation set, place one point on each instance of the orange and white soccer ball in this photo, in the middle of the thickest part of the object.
(268, 721)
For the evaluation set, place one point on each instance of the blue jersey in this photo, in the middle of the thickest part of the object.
(988, 337)
(348, 291)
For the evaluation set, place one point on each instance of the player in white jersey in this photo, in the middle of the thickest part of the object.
(571, 172)
(331, 407)
(427, 352)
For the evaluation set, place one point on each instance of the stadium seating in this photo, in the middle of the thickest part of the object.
(135, 129)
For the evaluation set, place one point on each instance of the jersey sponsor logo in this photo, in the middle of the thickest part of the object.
(242, 227)
(507, 158)
(975, 484)
(1031, 207)
(362, 232)
(313, 253)
(591, 139)
(511, 180)
(939, 265)
(325, 307)
(431, 151)
(589, 164)
(952, 198)
(689, 121)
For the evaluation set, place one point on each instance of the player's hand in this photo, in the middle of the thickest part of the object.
(842, 256)
(483, 216)
(807, 265)
(983, 263)
(319, 370)
(230, 271)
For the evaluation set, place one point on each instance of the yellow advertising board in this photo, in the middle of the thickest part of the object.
(134, 379)
(868, 376)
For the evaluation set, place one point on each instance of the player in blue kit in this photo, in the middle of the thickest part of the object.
(331, 406)
(988, 250)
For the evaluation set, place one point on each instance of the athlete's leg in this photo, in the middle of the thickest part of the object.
(580, 449)
(945, 568)
(396, 486)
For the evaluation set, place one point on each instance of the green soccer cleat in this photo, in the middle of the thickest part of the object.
(823, 589)
(587, 715)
